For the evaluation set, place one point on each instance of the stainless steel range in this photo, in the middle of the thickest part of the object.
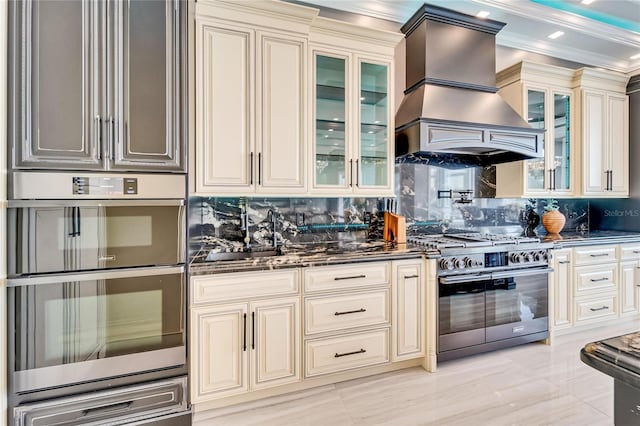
(492, 291)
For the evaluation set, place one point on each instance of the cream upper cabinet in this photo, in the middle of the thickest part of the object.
(603, 111)
(352, 114)
(542, 95)
(251, 98)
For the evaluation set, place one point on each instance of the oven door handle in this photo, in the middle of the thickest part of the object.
(93, 275)
(464, 279)
(520, 273)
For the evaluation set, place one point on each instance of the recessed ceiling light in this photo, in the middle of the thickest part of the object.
(555, 35)
(587, 2)
(636, 56)
(483, 14)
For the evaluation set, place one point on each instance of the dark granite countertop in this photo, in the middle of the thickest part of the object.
(571, 239)
(618, 357)
(310, 255)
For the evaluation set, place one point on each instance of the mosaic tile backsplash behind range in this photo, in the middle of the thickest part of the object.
(237, 224)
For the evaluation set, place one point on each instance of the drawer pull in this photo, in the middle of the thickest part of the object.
(636, 252)
(564, 262)
(349, 278)
(599, 255)
(406, 277)
(351, 312)
(599, 279)
(598, 309)
(361, 351)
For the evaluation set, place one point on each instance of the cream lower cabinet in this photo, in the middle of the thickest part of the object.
(408, 310)
(629, 279)
(562, 293)
(244, 345)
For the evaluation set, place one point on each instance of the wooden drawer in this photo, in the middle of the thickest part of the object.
(244, 285)
(331, 313)
(594, 254)
(629, 251)
(346, 352)
(595, 278)
(603, 307)
(342, 277)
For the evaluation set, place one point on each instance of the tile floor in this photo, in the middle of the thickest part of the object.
(532, 384)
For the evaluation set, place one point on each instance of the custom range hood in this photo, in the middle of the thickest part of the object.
(451, 114)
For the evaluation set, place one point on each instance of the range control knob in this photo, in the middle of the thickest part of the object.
(528, 257)
(469, 263)
(459, 263)
(517, 257)
(446, 264)
(540, 256)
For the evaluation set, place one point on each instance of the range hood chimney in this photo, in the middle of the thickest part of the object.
(451, 114)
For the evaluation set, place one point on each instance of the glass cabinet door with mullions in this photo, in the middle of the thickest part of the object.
(372, 164)
(331, 149)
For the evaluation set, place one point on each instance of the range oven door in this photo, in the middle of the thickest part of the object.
(517, 303)
(461, 311)
(74, 328)
(52, 236)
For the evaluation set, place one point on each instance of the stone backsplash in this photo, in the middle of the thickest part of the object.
(236, 224)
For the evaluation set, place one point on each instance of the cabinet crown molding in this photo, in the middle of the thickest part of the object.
(532, 72)
(322, 26)
(601, 79)
(272, 14)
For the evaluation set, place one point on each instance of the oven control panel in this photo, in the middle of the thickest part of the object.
(480, 261)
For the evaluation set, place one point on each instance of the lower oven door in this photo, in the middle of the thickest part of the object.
(74, 328)
(517, 303)
(461, 311)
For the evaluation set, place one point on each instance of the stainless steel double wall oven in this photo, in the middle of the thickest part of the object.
(96, 297)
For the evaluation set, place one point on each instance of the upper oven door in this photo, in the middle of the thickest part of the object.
(65, 236)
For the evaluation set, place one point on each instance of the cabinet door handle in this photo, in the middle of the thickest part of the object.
(358, 172)
(251, 169)
(244, 334)
(357, 311)
(564, 262)
(361, 351)
(595, 280)
(350, 277)
(351, 172)
(406, 277)
(554, 179)
(259, 168)
(98, 135)
(599, 255)
(253, 330)
(550, 180)
(599, 309)
(636, 252)
(111, 148)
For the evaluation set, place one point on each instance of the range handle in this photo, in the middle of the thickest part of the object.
(520, 273)
(464, 279)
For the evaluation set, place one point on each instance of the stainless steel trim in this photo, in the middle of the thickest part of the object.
(464, 278)
(59, 375)
(92, 203)
(85, 276)
(521, 273)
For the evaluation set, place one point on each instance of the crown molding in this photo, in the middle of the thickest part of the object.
(574, 22)
(571, 54)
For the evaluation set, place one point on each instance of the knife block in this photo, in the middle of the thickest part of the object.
(395, 228)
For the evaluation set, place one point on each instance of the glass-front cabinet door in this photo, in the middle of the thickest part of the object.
(372, 163)
(536, 117)
(561, 162)
(550, 110)
(331, 123)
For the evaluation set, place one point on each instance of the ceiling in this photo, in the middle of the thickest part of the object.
(605, 33)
